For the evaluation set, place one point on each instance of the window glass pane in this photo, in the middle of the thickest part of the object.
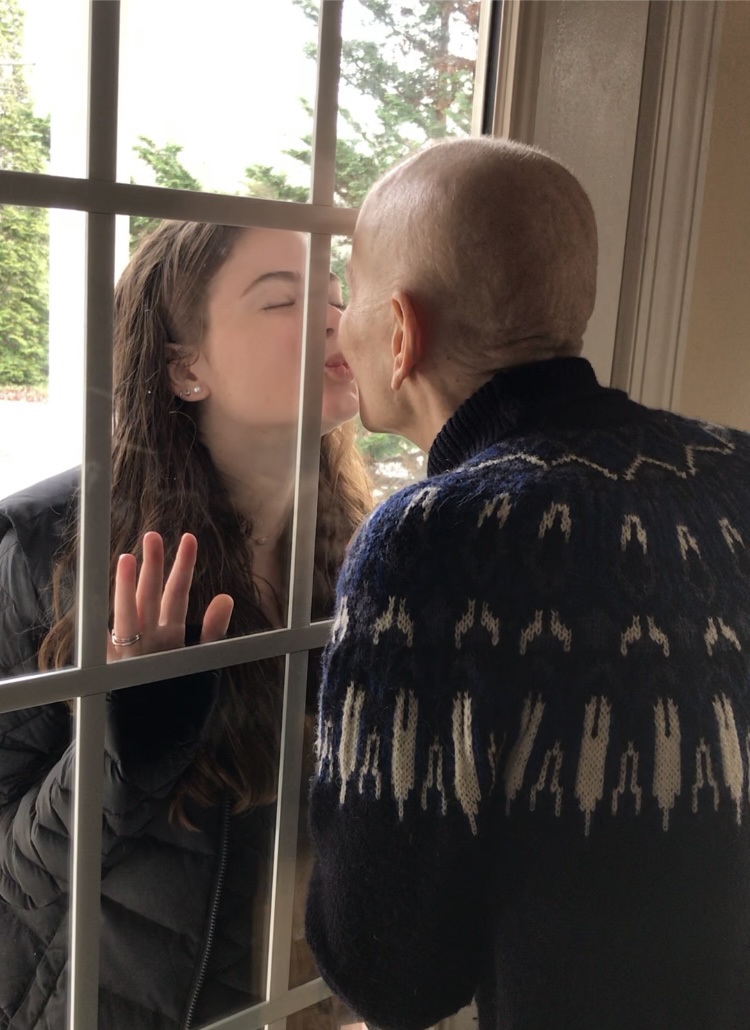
(215, 103)
(37, 785)
(43, 90)
(211, 321)
(391, 461)
(41, 343)
(186, 891)
(41, 406)
(407, 76)
(41, 347)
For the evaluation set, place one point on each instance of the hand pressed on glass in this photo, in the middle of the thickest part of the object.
(151, 616)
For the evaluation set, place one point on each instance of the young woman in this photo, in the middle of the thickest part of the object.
(208, 328)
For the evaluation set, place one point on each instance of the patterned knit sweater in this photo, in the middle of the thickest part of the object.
(534, 737)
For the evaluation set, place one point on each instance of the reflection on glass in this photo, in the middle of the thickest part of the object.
(217, 103)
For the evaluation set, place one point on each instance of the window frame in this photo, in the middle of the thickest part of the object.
(102, 198)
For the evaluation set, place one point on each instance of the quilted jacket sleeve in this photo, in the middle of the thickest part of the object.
(21, 627)
(152, 734)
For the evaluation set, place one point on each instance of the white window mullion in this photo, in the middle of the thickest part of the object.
(93, 592)
(34, 689)
(306, 497)
(123, 198)
(671, 155)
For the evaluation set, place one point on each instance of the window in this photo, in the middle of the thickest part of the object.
(198, 133)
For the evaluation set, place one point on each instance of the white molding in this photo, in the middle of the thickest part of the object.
(518, 64)
(507, 63)
(577, 94)
(482, 87)
(669, 170)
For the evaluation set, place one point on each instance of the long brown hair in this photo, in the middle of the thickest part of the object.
(163, 479)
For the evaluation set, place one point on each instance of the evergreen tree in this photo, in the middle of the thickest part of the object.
(418, 76)
(24, 233)
(416, 71)
(169, 172)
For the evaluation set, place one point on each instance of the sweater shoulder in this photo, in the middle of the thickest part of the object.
(523, 482)
(429, 527)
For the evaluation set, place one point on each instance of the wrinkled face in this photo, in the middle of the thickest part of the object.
(250, 356)
(366, 329)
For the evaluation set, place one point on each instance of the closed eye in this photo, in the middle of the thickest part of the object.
(282, 304)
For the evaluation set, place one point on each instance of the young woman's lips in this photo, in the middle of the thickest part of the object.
(338, 369)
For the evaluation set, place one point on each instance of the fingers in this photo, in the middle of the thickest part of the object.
(174, 602)
(125, 605)
(150, 582)
(216, 619)
(142, 608)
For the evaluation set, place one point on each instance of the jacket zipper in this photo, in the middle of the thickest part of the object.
(211, 931)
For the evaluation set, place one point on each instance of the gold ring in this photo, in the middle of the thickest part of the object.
(125, 641)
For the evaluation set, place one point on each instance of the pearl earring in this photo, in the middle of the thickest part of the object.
(186, 393)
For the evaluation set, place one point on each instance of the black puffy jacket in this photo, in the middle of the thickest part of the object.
(182, 911)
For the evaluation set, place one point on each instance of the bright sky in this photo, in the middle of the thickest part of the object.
(222, 78)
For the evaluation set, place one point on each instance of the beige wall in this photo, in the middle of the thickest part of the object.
(716, 372)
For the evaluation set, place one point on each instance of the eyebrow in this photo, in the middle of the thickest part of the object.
(288, 277)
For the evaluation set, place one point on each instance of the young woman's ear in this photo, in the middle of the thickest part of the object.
(185, 383)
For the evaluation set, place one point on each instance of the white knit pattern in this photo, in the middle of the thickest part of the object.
(667, 784)
(528, 772)
(730, 534)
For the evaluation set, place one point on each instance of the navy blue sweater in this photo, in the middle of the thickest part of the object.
(534, 737)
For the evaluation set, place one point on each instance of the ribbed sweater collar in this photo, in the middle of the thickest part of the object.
(515, 400)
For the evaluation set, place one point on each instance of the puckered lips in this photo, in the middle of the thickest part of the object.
(337, 368)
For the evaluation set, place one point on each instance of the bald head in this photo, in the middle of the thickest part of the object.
(495, 239)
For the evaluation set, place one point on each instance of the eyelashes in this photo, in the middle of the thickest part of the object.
(291, 303)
